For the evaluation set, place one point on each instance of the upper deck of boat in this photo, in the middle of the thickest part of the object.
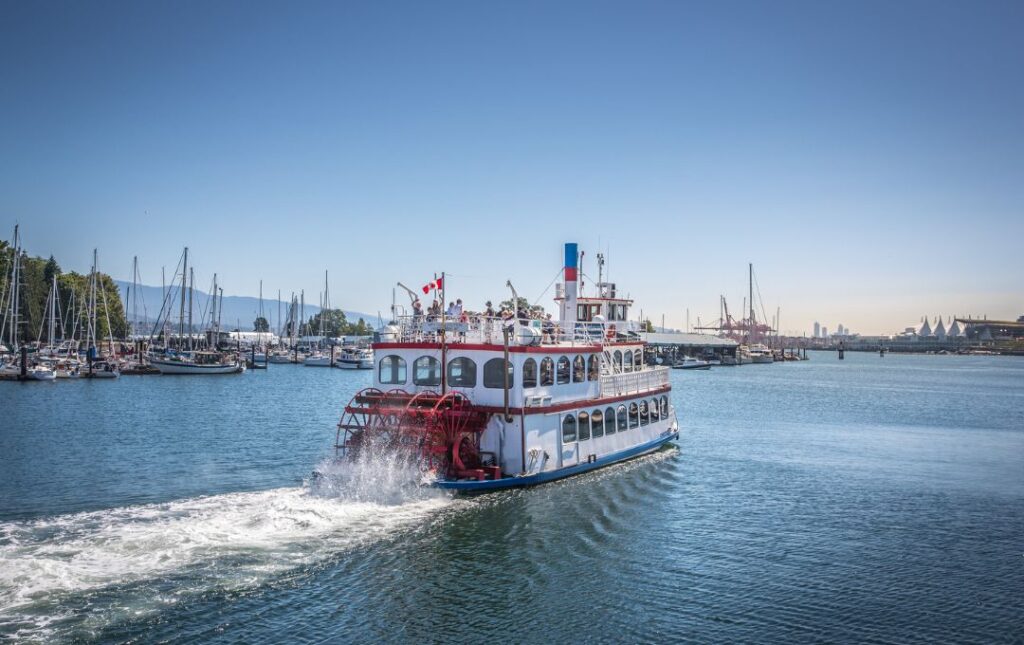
(479, 332)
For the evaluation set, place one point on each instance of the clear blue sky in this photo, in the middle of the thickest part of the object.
(867, 157)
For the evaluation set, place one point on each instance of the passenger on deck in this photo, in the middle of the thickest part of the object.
(435, 310)
(417, 310)
(451, 312)
(489, 311)
(548, 330)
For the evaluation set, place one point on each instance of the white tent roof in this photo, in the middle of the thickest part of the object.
(925, 329)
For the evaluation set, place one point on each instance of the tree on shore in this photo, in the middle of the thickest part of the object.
(261, 324)
(36, 279)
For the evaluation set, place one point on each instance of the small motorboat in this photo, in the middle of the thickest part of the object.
(40, 373)
(101, 369)
(690, 363)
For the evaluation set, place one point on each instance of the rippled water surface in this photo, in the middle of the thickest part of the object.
(871, 499)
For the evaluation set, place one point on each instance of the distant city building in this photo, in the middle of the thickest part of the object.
(839, 330)
(824, 332)
(817, 330)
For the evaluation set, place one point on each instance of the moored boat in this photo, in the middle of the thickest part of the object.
(690, 363)
(197, 363)
(354, 358)
(760, 354)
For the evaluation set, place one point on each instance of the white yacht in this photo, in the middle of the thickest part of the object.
(760, 354)
(355, 358)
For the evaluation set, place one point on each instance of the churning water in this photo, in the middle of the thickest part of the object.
(868, 500)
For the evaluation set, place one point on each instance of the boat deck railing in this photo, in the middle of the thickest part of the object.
(625, 383)
(490, 331)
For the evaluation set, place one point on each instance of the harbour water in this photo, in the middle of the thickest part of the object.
(870, 499)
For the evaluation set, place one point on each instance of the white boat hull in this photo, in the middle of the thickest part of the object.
(317, 361)
(177, 367)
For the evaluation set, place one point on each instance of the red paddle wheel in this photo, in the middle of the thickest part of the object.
(438, 432)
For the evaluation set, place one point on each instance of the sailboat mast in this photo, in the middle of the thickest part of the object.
(750, 286)
(214, 314)
(53, 310)
(181, 310)
(191, 288)
(135, 295)
(15, 291)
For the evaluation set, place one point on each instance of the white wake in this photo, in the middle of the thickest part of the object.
(227, 541)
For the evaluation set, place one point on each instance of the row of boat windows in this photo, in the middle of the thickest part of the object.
(598, 423)
(462, 371)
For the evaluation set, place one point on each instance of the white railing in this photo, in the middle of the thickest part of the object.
(632, 382)
(523, 331)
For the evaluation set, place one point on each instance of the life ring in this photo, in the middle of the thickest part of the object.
(610, 333)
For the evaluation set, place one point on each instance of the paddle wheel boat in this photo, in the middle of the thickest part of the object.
(482, 404)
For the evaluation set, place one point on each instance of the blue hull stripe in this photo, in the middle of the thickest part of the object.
(552, 475)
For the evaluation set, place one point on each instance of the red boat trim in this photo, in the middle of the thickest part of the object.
(573, 405)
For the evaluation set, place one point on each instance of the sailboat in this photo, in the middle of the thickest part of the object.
(258, 358)
(98, 366)
(320, 358)
(191, 360)
(284, 354)
(17, 367)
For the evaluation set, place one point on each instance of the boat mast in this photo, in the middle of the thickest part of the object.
(91, 307)
(214, 316)
(135, 296)
(53, 311)
(13, 296)
(181, 310)
(191, 288)
(106, 313)
(750, 285)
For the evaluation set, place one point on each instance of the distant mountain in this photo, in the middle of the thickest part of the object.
(238, 311)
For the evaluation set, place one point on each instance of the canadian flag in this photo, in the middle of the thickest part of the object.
(433, 284)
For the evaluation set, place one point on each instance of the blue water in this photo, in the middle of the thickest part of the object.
(872, 500)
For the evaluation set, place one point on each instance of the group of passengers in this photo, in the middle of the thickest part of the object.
(486, 318)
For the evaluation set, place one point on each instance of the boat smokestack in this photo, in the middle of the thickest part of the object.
(571, 279)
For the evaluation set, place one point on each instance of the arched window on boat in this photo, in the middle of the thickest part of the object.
(392, 370)
(634, 415)
(563, 370)
(593, 367)
(617, 361)
(426, 370)
(547, 371)
(597, 424)
(609, 420)
(569, 429)
(655, 410)
(529, 373)
(622, 418)
(644, 417)
(664, 407)
(461, 372)
(638, 359)
(579, 369)
(627, 361)
(494, 373)
(584, 426)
